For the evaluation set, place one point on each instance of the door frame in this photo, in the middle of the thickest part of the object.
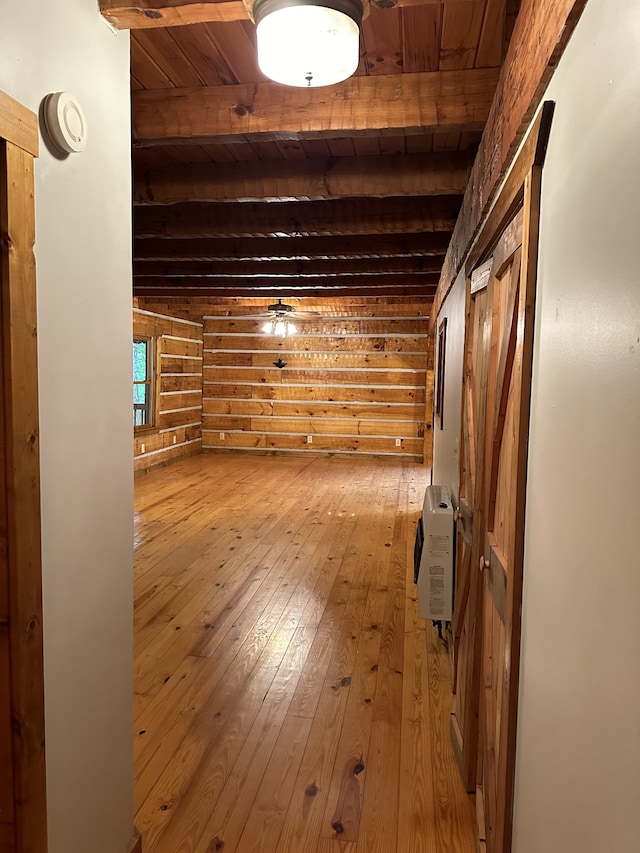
(22, 581)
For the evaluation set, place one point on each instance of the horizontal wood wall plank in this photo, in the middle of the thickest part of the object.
(175, 346)
(174, 365)
(153, 323)
(181, 417)
(181, 399)
(180, 383)
(169, 454)
(320, 326)
(313, 426)
(377, 378)
(328, 343)
(306, 409)
(330, 394)
(162, 440)
(353, 444)
(418, 102)
(323, 360)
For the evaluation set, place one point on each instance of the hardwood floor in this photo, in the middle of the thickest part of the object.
(288, 697)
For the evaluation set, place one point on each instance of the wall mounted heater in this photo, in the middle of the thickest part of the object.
(434, 560)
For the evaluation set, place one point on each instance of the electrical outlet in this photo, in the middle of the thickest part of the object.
(398, 442)
(309, 439)
(142, 448)
(221, 436)
(175, 439)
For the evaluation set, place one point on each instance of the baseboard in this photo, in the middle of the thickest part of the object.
(136, 844)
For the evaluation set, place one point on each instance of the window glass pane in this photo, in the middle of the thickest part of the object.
(140, 394)
(140, 360)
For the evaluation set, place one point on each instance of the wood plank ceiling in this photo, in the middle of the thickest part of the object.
(243, 187)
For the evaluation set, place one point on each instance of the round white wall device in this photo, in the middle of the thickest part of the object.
(65, 122)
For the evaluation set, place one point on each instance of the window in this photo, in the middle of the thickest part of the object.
(442, 351)
(144, 373)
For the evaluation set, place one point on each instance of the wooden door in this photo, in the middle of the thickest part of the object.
(510, 302)
(466, 623)
(501, 268)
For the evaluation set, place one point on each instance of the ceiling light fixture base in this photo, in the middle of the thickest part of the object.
(308, 43)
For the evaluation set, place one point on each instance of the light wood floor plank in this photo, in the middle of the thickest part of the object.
(289, 699)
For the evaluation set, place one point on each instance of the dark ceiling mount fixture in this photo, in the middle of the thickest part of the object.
(280, 363)
(279, 323)
(308, 42)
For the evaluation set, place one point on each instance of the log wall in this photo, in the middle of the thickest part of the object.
(178, 431)
(355, 378)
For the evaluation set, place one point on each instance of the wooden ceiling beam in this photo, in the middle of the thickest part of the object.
(290, 281)
(251, 306)
(320, 178)
(292, 248)
(258, 269)
(423, 293)
(145, 14)
(296, 219)
(380, 104)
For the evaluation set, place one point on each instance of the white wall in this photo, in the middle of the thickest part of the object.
(446, 460)
(84, 307)
(579, 726)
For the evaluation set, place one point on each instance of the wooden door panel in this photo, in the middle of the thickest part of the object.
(506, 425)
(494, 647)
(504, 450)
(467, 616)
(500, 519)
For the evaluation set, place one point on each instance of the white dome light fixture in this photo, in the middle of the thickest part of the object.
(308, 43)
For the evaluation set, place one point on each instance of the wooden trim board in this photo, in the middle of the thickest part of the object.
(22, 472)
(18, 125)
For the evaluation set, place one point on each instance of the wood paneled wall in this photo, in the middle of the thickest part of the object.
(179, 428)
(355, 378)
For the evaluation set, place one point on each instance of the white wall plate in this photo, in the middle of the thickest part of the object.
(65, 122)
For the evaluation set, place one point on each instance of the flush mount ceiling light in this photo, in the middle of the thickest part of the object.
(308, 42)
(279, 323)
